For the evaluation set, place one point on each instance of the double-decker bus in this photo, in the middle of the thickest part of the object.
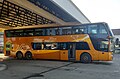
(85, 42)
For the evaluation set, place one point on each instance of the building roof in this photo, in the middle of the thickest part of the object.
(116, 31)
(17, 13)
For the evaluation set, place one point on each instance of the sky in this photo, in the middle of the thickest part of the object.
(101, 11)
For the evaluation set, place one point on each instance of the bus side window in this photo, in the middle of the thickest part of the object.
(76, 30)
(102, 29)
(19, 33)
(53, 31)
(57, 31)
(10, 33)
(60, 31)
(50, 31)
(39, 32)
(92, 29)
(79, 30)
(82, 46)
(29, 32)
(63, 45)
(36, 46)
(66, 30)
(49, 46)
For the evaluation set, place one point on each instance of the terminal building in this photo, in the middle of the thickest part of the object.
(17, 13)
(25, 13)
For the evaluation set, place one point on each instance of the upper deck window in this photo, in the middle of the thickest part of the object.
(102, 29)
(50, 31)
(10, 33)
(18, 33)
(92, 29)
(28, 32)
(57, 31)
(66, 30)
(79, 29)
(39, 32)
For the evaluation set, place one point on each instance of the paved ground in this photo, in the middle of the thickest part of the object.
(41, 69)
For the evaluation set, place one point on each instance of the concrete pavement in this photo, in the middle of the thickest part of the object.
(46, 69)
(2, 66)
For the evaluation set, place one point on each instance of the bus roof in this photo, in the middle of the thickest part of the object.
(53, 25)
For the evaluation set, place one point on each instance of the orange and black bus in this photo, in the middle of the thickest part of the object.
(85, 42)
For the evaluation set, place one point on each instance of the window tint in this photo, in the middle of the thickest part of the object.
(28, 32)
(39, 32)
(18, 33)
(50, 46)
(79, 30)
(63, 46)
(50, 31)
(102, 29)
(10, 33)
(82, 46)
(66, 30)
(104, 46)
(92, 29)
(59, 46)
(36, 46)
(57, 31)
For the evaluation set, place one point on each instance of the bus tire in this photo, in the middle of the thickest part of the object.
(19, 55)
(28, 55)
(85, 58)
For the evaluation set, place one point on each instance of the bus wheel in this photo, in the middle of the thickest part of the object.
(19, 55)
(85, 58)
(28, 55)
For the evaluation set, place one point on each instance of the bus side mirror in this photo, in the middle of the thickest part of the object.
(109, 37)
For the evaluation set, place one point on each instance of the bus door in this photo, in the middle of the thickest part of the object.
(72, 51)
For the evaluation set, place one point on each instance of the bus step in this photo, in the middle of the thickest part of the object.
(71, 59)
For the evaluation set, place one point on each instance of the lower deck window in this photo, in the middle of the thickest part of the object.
(82, 46)
(36, 46)
(60, 46)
